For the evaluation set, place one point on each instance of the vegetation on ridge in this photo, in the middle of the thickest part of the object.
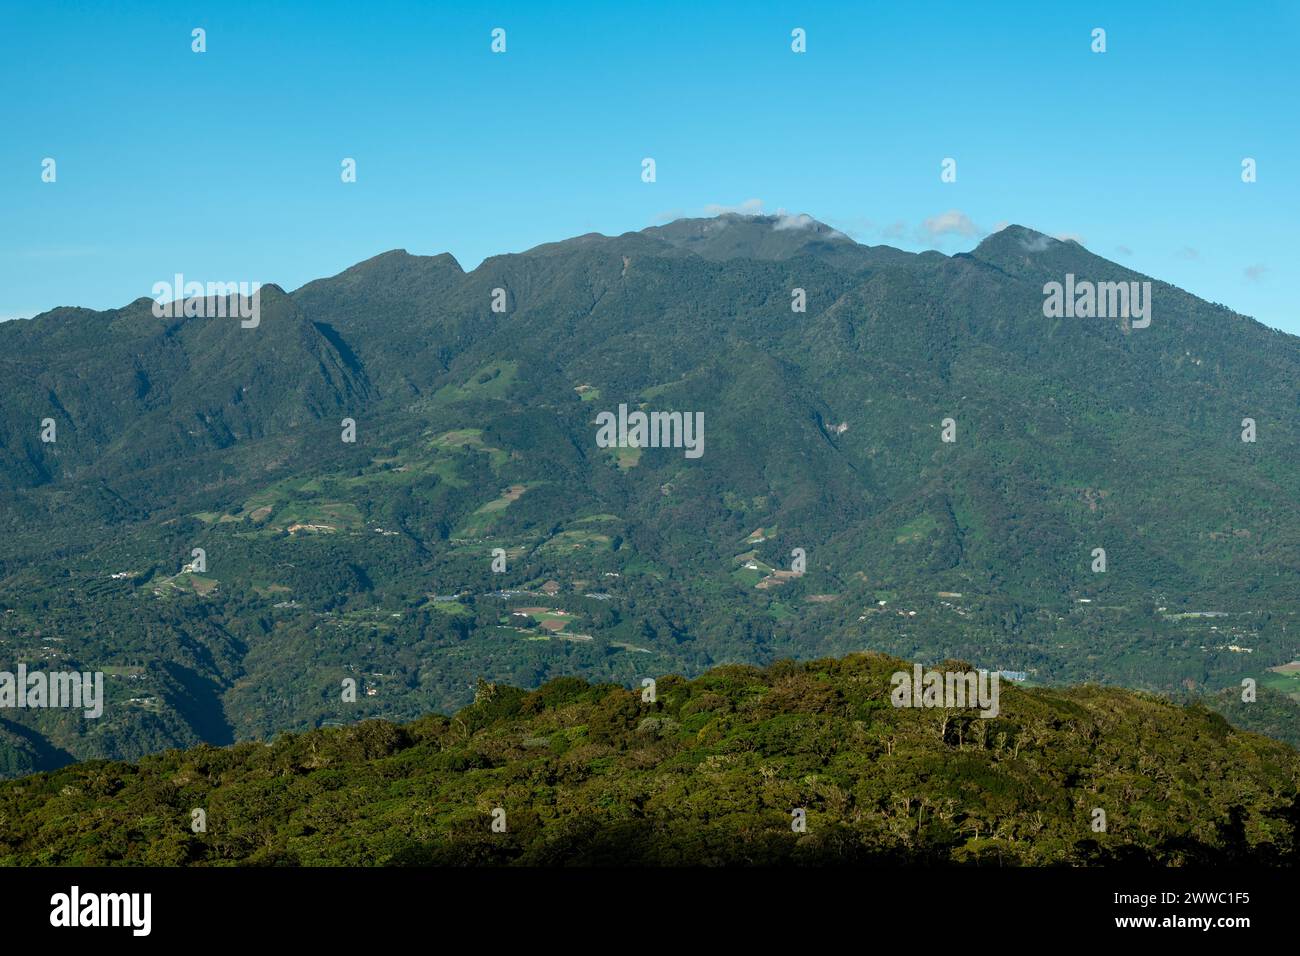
(708, 773)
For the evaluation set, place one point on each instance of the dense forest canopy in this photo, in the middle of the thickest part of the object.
(794, 763)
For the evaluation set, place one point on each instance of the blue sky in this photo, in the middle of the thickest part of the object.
(225, 165)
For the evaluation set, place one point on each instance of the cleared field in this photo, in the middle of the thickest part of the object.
(186, 582)
(573, 540)
(481, 520)
(454, 608)
(491, 381)
(916, 529)
(471, 438)
(750, 570)
(1284, 679)
(627, 458)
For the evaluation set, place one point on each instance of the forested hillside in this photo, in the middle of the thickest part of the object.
(714, 770)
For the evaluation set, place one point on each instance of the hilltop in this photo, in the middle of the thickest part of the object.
(711, 772)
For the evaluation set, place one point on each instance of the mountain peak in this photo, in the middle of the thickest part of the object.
(1013, 236)
(751, 222)
(734, 235)
(401, 259)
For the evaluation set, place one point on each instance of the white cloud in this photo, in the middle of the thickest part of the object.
(784, 220)
(954, 222)
(1037, 244)
(801, 221)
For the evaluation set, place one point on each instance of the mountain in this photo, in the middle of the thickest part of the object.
(127, 390)
(796, 763)
(329, 560)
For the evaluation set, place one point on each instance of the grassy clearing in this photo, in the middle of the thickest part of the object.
(471, 438)
(482, 519)
(549, 619)
(1284, 679)
(262, 589)
(627, 458)
(454, 608)
(750, 570)
(569, 541)
(491, 381)
(281, 505)
(915, 530)
(317, 518)
(186, 583)
(654, 391)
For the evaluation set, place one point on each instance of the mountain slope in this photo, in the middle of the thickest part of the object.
(126, 390)
(475, 430)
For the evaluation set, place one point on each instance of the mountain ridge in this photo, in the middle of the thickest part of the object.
(475, 430)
